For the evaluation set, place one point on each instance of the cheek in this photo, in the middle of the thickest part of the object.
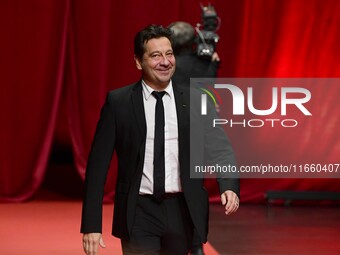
(172, 61)
(153, 64)
(149, 66)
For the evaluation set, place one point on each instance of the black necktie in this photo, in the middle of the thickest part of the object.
(158, 153)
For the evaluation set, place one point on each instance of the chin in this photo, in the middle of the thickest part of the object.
(164, 79)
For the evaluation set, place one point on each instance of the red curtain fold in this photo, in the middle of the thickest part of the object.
(86, 48)
(87, 80)
(285, 39)
(32, 71)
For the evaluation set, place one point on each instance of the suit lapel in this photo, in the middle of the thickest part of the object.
(182, 107)
(183, 122)
(182, 98)
(138, 108)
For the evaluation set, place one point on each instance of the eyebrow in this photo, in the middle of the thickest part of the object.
(157, 51)
(153, 52)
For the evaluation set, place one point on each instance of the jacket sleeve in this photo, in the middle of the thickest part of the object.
(219, 151)
(97, 168)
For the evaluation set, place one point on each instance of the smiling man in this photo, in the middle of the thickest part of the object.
(157, 63)
(156, 204)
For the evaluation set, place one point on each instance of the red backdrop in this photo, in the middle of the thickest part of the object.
(64, 55)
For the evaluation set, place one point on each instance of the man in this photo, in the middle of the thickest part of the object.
(156, 204)
(189, 65)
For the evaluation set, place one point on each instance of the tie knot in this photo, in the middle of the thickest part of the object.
(158, 94)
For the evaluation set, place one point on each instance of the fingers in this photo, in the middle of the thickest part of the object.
(223, 199)
(101, 243)
(231, 202)
(91, 242)
(90, 247)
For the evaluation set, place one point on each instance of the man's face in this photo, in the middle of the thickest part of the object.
(158, 63)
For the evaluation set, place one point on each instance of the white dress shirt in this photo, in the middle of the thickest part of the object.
(172, 173)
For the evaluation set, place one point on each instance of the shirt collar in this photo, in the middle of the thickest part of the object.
(147, 90)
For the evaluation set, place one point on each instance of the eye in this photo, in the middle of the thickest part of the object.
(156, 56)
(170, 54)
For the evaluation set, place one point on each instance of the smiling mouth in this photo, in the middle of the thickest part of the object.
(164, 71)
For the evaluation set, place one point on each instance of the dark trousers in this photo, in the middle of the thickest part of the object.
(196, 242)
(160, 228)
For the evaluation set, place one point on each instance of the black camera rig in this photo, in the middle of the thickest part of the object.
(207, 37)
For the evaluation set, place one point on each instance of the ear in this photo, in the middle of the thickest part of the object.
(138, 63)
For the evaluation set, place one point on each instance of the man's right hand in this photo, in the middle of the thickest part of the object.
(91, 241)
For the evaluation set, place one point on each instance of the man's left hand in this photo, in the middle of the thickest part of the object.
(230, 200)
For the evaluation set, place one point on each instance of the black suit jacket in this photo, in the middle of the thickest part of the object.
(189, 65)
(122, 127)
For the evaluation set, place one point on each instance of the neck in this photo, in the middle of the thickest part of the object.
(158, 86)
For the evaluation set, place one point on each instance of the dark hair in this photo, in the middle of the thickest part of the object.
(148, 33)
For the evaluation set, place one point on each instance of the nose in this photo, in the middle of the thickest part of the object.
(165, 61)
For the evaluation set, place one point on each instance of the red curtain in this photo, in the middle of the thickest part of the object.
(32, 60)
(81, 49)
